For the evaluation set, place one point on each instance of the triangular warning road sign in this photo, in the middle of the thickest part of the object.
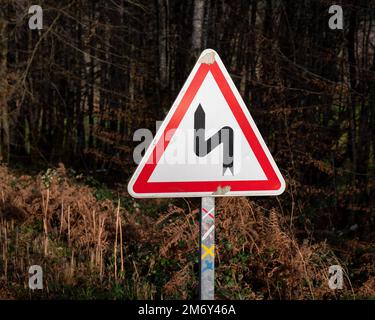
(208, 145)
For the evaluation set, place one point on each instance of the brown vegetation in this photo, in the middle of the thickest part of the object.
(107, 250)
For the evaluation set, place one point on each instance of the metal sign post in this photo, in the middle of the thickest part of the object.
(207, 249)
(209, 120)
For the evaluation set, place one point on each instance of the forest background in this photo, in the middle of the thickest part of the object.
(73, 94)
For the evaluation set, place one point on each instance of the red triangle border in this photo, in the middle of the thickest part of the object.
(142, 186)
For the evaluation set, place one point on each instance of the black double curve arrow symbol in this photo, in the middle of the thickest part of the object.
(203, 147)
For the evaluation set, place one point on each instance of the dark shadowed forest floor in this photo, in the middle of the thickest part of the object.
(95, 242)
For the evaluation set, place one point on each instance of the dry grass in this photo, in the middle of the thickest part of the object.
(257, 256)
(98, 249)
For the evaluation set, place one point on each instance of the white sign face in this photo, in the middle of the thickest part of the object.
(208, 145)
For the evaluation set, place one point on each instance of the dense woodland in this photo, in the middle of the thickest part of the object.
(76, 91)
